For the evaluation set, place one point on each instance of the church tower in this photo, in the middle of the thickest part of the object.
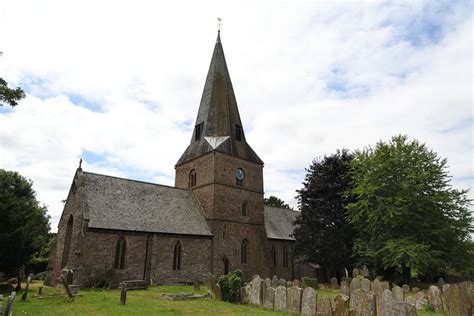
(226, 176)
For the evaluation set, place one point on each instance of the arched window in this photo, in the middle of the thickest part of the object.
(67, 241)
(274, 256)
(177, 256)
(120, 250)
(244, 209)
(244, 248)
(192, 178)
(285, 257)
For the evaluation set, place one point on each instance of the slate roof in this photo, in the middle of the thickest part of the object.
(218, 114)
(122, 204)
(279, 222)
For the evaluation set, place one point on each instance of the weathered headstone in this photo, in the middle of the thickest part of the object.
(210, 281)
(296, 283)
(25, 293)
(372, 303)
(420, 300)
(365, 272)
(245, 293)
(66, 286)
(403, 309)
(218, 292)
(359, 301)
(40, 291)
(293, 301)
(457, 302)
(467, 287)
(334, 283)
(356, 272)
(398, 294)
(269, 298)
(366, 285)
(386, 303)
(196, 283)
(9, 307)
(70, 277)
(377, 288)
(308, 302)
(282, 282)
(415, 289)
(280, 298)
(268, 282)
(445, 288)
(289, 284)
(433, 295)
(342, 305)
(74, 288)
(123, 295)
(256, 291)
(345, 290)
(324, 307)
(406, 288)
(274, 281)
(355, 285)
(441, 282)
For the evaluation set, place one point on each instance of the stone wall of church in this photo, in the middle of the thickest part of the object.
(290, 272)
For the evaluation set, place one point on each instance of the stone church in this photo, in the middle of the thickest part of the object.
(213, 219)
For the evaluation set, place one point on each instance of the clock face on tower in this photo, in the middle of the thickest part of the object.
(239, 174)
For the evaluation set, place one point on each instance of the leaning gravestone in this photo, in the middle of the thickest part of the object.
(355, 285)
(342, 305)
(269, 298)
(334, 283)
(403, 309)
(308, 302)
(256, 291)
(420, 300)
(433, 295)
(398, 294)
(218, 292)
(345, 288)
(457, 302)
(293, 300)
(123, 295)
(386, 303)
(274, 281)
(280, 298)
(28, 280)
(9, 308)
(365, 284)
(324, 307)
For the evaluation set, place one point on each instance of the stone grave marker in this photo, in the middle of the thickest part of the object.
(445, 287)
(355, 285)
(74, 288)
(342, 305)
(420, 300)
(386, 302)
(406, 288)
(441, 282)
(269, 298)
(403, 309)
(345, 290)
(296, 282)
(398, 294)
(123, 294)
(280, 298)
(467, 287)
(268, 282)
(274, 281)
(196, 283)
(66, 286)
(433, 295)
(415, 289)
(210, 281)
(308, 302)
(324, 307)
(334, 283)
(365, 272)
(282, 282)
(377, 288)
(218, 292)
(25, 294)
(366, 285)
(289, 284)
(457, 302)
(245, 293)
(256, 291)
(9, 307)
(356, 272)
(293, 300)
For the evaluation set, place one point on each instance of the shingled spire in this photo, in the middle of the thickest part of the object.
(218, 126)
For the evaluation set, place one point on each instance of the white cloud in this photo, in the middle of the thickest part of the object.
(123, 80)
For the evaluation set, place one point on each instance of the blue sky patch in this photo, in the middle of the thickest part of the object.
(92, 157)
(78, 100)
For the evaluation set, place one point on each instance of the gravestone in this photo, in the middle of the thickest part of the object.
(445, 288)
(345, 290)
(10, 301)
(342, 305)
(359, 301)
(268, 282)
(420, 300)
(245, 293)
(74, 288)
(308, 302)
(256, 291)
(324, 307)
(280, 298)
(70, 277)
(282, 282)
(365, 272)
(386, 303)
(441, 282)
(196, 283)
(398, 294)
(366, 285)
(66, 286)
(372, 304)
(274, 281)
(406, 288)
(289, 284)
(403, 309)
(28, 280)
(296, 283)
(293, 300)
(415, 289)
(467, 287)
(433, 295)
(377, 288)
(123, 295)
(334, 283)
(269, 298)
(218, 292)
(355, 285)
(210, 281)
(40, 291)
(356, 272)
(457, 302)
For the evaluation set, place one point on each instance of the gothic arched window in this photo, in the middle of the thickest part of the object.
(192, 178)
(67, 241)
(244, 209)
(177, 256)
(120, 250)
(274, 256)
(244, 251)
(285, 257)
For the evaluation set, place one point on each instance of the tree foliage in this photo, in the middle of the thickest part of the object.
(8, 95)
(274, 201)
(323, 234)
(24, 224)
(406, 214)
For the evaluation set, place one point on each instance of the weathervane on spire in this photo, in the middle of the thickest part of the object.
(219, 23)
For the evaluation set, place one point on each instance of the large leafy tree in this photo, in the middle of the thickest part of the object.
(322, 232)
(274, 201)
(8, 95)
(406, 214)
(24, 224)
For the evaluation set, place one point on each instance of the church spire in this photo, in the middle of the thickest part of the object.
(218, 125)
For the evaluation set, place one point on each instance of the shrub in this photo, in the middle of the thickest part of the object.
(40, 276)
(230, 286)
(101, 281)
(310, 282)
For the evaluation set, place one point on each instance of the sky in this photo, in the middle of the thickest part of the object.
(118, 83)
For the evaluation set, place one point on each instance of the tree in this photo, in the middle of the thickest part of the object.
(8, 95)
(276, 202)
(406, 214)
(322, 232)
(24, 224)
